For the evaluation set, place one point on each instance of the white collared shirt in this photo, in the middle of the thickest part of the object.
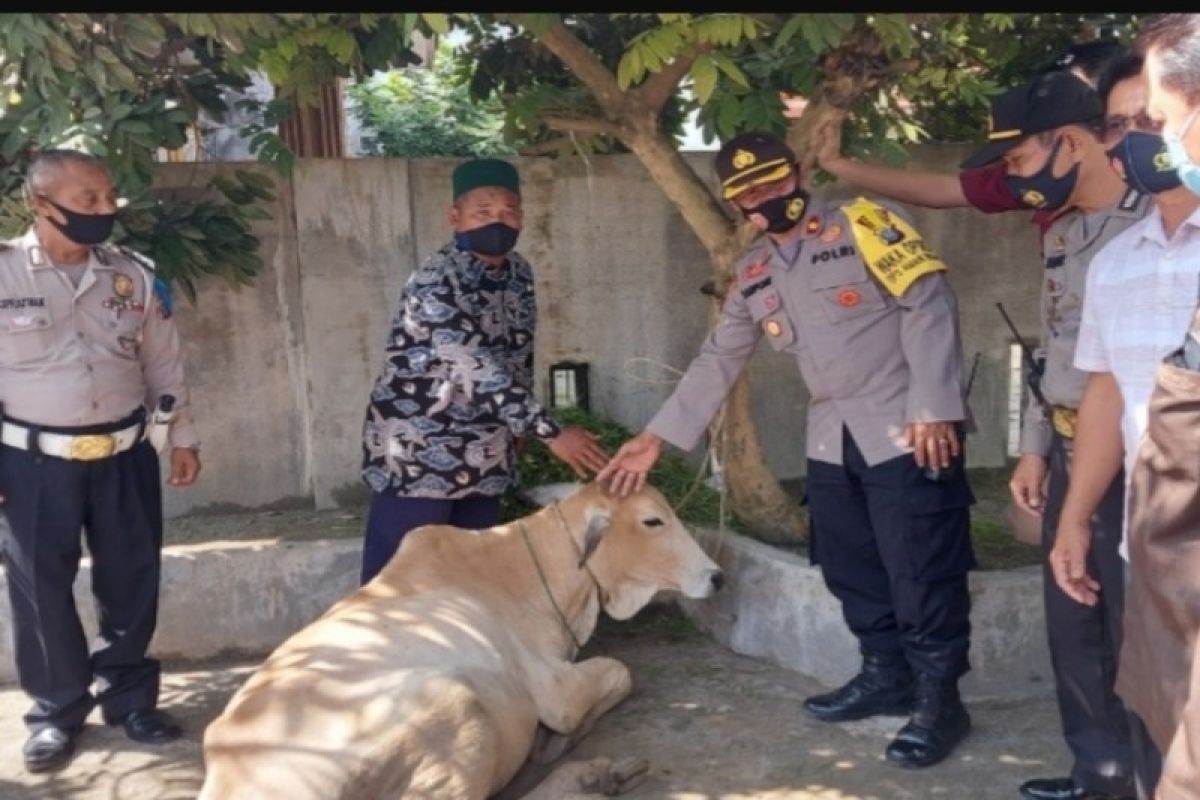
(1142, 290)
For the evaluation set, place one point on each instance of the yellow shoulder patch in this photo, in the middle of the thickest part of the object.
(892, 249)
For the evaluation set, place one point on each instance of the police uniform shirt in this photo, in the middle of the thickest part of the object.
(92, 354)
(871, 361)
(1069, 245)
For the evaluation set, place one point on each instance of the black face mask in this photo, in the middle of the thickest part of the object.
(82, 228)
(494, 239)
(1144, 159)
(1043, 190)
(781, 213)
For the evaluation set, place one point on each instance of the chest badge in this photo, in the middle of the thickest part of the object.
(772, 327)
(122, 286)
(832, 233)
(771, 301)
(849, 298)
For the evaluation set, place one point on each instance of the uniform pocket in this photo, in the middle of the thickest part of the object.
(25, 338)
(937, 536)
(846, 290)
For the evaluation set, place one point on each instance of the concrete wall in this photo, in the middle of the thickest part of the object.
(281, 370)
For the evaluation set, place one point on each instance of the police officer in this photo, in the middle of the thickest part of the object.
(456, 389)
(856, 295)
(86, 342)
(1050, 133)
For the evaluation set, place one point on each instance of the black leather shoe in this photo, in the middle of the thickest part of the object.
(150, 726)
(939, 722)
(884, 686)
(1051, 789)
(1062, 789)
(49, 748)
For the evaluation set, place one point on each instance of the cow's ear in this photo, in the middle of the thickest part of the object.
(597, 521)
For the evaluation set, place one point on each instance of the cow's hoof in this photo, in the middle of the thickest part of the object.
(627, 774)
(618, 778)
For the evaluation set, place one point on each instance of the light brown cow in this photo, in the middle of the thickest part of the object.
(429, 683)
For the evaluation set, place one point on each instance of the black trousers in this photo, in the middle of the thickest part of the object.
(116, 503)
(895, 548)
(1085, 640)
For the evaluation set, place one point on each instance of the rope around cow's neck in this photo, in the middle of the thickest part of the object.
(583, 557)
(537, 565)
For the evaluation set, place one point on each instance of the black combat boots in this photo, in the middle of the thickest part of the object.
(939, 722)
(884, 686)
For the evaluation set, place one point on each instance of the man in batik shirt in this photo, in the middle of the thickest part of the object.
(456, 391)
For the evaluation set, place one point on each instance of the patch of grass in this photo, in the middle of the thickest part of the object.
(672, 475)
(660, 622)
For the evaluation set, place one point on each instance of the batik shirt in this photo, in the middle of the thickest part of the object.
(457, 381)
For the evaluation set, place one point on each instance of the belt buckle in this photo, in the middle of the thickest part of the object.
(1063, 420)
(92, 447)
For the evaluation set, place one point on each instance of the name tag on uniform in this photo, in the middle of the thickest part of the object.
(12, 303)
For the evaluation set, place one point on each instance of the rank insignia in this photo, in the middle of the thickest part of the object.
(814, 225)
(772, 327)
(122, 285)
(743, 159)
(849, 298)
(756, 270)
(831, 233)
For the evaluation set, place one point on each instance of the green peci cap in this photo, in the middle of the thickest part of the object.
(485, 172)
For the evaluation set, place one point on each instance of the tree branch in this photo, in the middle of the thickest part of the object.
(659, 87)
(584, 65)
(588, 125)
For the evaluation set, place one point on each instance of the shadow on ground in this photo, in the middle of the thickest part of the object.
(714, 726)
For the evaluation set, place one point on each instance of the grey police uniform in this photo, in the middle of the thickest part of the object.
(78, 366)
(1084, 640)
(894, 546)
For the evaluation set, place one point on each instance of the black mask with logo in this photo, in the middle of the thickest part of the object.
(493, 239)
(86, 229)
(1043, 190)
(781, 213)
(1144, 160)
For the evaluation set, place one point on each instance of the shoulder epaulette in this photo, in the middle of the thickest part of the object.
(135, 255)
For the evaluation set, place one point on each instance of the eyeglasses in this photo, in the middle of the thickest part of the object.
(1117, 125)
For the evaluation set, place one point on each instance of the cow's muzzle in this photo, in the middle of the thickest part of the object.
(717, 579)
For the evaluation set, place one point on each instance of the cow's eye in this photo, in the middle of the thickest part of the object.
(653, 522)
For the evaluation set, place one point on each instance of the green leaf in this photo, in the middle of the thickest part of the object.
(789, 30)
(438, 23)
(704, 78)
(731, 70)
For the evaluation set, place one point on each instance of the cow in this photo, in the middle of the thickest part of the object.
(442, 676)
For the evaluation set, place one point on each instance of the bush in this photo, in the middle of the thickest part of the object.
(672, 475)
(425, 112)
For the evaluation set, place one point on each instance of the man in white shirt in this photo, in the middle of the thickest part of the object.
(1141, 293)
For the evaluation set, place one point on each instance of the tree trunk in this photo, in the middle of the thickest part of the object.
(754, 493)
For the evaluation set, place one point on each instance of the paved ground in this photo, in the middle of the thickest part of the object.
(714, 726)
